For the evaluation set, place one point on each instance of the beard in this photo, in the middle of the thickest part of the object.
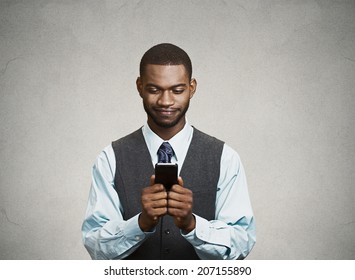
(160, 121)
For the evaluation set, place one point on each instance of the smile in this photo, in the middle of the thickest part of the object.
(166, 112)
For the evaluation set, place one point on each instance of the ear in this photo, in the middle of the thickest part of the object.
(139, 86)
(192, 86)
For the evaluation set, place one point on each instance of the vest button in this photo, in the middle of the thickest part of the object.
(167, 231)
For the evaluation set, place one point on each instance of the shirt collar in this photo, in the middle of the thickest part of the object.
(178, 142)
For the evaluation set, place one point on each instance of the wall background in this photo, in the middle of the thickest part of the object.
(275, 79)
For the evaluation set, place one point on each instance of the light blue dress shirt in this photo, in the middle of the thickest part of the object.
(106, 235)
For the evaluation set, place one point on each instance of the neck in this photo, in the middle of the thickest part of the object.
(166, 133)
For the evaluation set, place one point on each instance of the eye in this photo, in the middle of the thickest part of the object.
(153, 90)
(178, 90)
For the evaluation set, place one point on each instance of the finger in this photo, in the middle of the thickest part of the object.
(159, 203)
(179, 190)
(157, 212)
(178, 213)
(161, 212)
(175, 204)
(174, 195)
(154, 197)
(159, 188)
(156, 188)
(154, 214)
(184, 203)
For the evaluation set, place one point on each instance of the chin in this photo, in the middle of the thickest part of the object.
(166, 124)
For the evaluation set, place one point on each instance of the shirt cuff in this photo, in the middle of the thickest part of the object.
(133, 231)
(197, 236)
(208, 232)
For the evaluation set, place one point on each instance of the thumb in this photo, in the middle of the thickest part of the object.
(152, 180)
(180, 181)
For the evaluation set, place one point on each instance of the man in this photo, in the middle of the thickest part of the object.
(207, 215)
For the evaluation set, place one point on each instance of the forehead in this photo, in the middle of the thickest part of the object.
(165, 74)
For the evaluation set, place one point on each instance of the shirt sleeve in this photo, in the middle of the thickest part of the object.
(106, 235)
(232, 234)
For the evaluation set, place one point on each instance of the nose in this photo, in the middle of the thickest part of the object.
(166, 99)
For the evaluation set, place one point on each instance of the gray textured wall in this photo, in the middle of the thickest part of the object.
(275, 79)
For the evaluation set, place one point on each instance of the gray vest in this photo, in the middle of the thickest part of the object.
(200, 173)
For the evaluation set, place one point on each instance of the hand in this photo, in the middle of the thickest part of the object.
(154, 205)
(180, 202)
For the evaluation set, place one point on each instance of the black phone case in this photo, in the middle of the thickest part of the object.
(166, 174)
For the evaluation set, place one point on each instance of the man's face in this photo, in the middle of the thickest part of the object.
(166, 92)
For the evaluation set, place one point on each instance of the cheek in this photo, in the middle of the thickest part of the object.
(183, 100)
(148, 99)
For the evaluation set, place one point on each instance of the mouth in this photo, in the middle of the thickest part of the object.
(166, 112)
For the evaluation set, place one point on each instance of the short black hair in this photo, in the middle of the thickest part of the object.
(166, 54)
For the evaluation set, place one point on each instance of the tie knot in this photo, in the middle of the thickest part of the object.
(165, 153)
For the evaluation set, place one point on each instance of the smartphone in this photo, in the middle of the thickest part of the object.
(166, 174)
